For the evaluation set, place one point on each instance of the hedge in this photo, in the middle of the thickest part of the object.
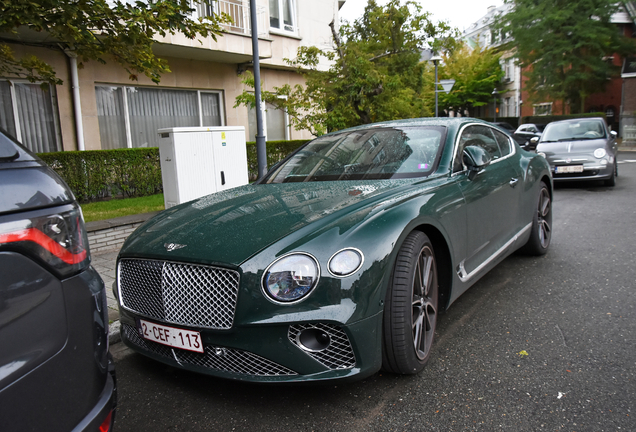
(276, 151)
(550, 118)
(512, 121)
(96, 174)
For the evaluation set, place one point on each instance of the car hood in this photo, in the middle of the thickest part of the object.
(229, 227)
(571, 147)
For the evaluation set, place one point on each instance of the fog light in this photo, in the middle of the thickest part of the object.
(314, 340)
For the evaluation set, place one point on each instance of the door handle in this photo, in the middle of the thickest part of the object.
(513, 182)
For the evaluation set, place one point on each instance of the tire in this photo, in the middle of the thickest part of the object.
(611, 182)
(541, 232)
(410, 313)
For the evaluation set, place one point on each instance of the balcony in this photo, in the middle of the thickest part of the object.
(238, 12)
(234, 45)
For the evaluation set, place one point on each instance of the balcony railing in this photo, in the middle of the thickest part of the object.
(239, 11)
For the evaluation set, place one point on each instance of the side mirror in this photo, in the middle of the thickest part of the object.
(614, 134)
(475, 158)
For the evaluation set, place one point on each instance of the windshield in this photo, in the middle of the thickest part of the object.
(569, 131)
(375, 153)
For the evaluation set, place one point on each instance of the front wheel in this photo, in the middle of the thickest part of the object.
(541, 231)
(410, 314)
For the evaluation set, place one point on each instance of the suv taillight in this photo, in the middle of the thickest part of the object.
(56, 239)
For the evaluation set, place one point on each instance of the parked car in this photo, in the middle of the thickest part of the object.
(55, 369)
(339, 260)
(505, 125)
(523, 142)
(580, 149)
(528, 131)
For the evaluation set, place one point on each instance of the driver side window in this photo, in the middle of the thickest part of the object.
(480, 136)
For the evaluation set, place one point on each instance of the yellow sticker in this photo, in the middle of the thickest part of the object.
(223, 136)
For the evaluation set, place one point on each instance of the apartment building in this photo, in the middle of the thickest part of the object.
(99, 107)
(509, 91)
(513, 100)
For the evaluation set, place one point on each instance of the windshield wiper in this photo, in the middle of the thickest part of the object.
(575, 139)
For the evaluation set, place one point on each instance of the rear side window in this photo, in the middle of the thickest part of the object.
(503, 141)
(11, 151)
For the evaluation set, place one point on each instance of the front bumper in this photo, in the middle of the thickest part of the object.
(590, 172)
(270, 352)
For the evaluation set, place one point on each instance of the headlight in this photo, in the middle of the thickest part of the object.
(291, 277)
(599, 153)
(345, 262)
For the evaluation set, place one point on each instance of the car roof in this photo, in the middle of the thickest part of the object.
(452, 123)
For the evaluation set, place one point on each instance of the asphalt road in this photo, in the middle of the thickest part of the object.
(539, 344)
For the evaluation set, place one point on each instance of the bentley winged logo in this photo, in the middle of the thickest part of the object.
(173, 246)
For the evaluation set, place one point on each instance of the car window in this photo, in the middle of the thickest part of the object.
(480, 136)
(503, 141)
(376, 153)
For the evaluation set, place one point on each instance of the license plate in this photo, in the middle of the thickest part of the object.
(171, 336)
(568, 169)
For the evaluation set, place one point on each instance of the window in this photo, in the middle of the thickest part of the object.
(543, 109)
(130, 116)
(503, 141)
(480, 136)
(275, 123)
(27, 113)
(508, 67)
(282, 15)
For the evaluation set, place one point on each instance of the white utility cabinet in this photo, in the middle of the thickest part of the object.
(198, 161)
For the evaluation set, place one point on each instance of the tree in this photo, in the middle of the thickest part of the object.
(95, 30)
(476, 73)
(563, 46)
(376, 73)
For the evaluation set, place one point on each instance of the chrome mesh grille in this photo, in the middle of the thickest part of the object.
(338, 355)
(216, 358)
(186, 294)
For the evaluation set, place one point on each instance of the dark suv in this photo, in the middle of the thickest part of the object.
(55, 369)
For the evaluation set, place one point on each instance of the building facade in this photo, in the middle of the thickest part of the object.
(513, 98)
(508, 98)
(99, 107)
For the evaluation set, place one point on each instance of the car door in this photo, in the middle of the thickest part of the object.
(492, 200)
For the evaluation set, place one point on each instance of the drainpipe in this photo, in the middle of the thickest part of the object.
(77, 104)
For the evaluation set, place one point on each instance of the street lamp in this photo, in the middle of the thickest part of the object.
(435, 60)
(495, 93)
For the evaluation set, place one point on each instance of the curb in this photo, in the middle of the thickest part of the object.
(114, 335)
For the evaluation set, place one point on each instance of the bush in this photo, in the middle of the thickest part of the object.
(96, 174)
(550, 118)
(136, 172)
(276, 151)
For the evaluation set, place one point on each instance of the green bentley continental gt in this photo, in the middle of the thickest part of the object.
(337, 262)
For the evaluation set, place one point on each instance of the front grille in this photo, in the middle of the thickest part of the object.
(185, 294)
(338, 355)
(216, 358)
